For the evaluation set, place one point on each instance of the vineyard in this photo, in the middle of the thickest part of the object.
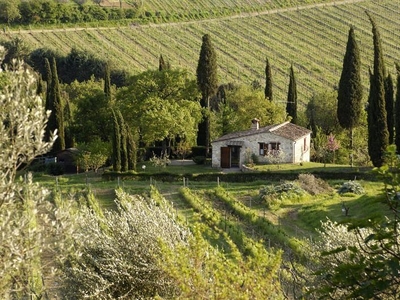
(313, 39)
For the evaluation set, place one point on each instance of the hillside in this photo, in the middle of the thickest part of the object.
(312, 37)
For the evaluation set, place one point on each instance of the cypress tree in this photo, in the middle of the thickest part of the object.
(107, 83)
(54, 103)
(397, 111)
(350, 91)
(389, 105)
(208, 84)
(131, 149)
(291, 105)
(123, 142)
(116, 144)
(378, 135)
(162, 64)
(268, 81)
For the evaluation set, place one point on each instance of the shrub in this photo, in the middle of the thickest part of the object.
(199, 160)
(55, 169)
(274, 194)
(351, 186)
(313, 185)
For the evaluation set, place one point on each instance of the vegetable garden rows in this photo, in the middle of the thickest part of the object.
(313, 40)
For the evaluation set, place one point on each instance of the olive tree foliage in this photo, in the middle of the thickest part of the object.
(24, 213)
(361, 260)
(117, 253)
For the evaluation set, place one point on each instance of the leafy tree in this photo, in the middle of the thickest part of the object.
(320, 112)
(161, 105)
(16, 49)
(243, 104)
(378, 135)
(207, 80)
(291, 105)
(268, 81)
(55, 105)
(93, 155)
(389, 106)
(350, 91)
(397, 111)
(9, 10)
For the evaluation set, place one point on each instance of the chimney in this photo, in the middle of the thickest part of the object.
(255, 124)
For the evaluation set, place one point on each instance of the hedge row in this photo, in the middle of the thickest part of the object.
(235, 177)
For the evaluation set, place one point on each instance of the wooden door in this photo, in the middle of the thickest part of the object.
(225, 157)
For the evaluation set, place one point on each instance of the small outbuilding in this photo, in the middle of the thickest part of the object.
(289, 140)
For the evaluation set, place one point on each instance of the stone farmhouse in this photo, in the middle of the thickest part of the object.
(290, 141)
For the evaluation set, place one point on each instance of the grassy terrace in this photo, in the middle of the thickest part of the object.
(313, 39)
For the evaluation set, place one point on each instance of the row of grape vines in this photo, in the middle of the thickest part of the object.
(313, 40)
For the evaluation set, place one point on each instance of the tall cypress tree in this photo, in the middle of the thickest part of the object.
(48, 104)
(107, 83)
(268, 81)
(116, 143)
(389, 105)
(54, 103)
(350, 91)
(291, 105)
(208, 84)
(397, 111)
(163, 64)
(378, 135)
(123, 143)
(131, 149)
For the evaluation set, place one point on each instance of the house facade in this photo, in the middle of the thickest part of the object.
(291, 142)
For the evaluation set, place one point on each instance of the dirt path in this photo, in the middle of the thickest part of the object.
(239, 16)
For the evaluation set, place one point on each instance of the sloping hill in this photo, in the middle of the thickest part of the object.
(312, 38)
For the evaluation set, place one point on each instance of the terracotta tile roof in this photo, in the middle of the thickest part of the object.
(286, 130)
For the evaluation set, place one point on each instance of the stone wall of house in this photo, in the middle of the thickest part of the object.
(294, 152)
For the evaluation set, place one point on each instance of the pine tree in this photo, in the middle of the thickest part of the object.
(291, 105)
(389, 105)
(378, 135)
(268, 81)
(350, 91)
(54, 103)
(397, 111)
(208, 84)
(116, 144)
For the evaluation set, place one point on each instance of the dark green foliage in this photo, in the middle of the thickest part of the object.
(207, 80)
(397, 111)
(116, 144)
(291, 105)
(162, 64)
(131, 149)
(268, 81)
(378, 135)
(389, 105)
(40, 85)
(107, 83)
(123, 143)
(55, 105)
(58, 108)
(350, 91)
(15, 49)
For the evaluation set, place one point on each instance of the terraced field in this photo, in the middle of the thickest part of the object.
(312, 38)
